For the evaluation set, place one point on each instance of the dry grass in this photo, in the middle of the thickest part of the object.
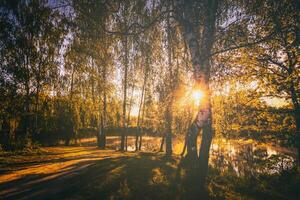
(90, 173)
(86, 172)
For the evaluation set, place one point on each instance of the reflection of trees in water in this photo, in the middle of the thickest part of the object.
(240, 159)
(249, 160)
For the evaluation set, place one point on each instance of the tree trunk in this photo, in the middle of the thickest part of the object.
(184, 149)
(169, 150)
(5, 135)
(38, 87)
(201, 65)
(138, 142)
(26, 135)
(102, 138)
(161, 149)
(296, 105)
(141, 140)
(36, 107)
(169, 114)
(169, 128)
(138, 133)
(128, 115)
(73, 131)
(100, 132)
(142, 120)
(126, 142)
(123, 136)
(207, 136)
(191, 142)
(130, 104)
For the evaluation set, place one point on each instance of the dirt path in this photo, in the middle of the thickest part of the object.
(90, 173)
(40, 173)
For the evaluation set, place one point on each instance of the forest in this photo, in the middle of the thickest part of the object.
(149, 99)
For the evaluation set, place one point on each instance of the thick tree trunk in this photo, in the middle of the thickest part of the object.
(201, 65)
(205, 147)
(190, 37)
(191, 142)
(296, 105)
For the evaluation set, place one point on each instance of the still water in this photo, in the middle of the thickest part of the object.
(241, 157)
(249, 158)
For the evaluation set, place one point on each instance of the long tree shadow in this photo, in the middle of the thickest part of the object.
(48, 158)
(136, 176)
(53, 160)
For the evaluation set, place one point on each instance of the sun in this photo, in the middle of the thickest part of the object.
(197, 96)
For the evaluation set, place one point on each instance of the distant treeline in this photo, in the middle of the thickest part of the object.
(58, 121)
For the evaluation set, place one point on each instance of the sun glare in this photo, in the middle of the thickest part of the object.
(197, 96)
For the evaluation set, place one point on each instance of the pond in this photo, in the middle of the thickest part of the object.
(241, 157)
(249, 158)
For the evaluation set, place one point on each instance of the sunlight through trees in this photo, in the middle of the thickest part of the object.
(186, 73)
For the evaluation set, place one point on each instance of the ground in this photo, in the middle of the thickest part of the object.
(90, 173)
(83, 171)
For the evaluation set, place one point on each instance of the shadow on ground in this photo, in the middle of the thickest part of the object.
(128, 176)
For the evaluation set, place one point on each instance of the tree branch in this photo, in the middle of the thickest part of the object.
(247, 44)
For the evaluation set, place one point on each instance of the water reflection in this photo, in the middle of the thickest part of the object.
(249, 159)
(243, 158)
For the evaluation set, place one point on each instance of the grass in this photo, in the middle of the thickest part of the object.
(284, 185)
(85, 172)
(89, 173)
